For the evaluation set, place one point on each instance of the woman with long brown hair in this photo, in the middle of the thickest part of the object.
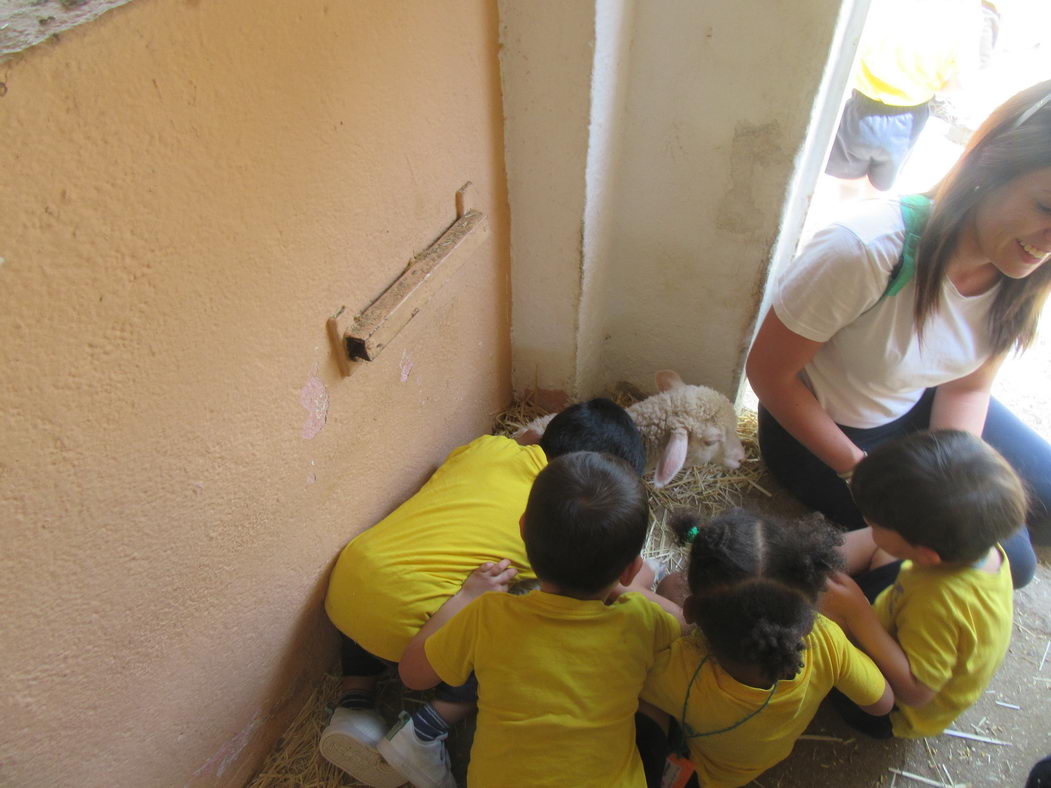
(898, 317)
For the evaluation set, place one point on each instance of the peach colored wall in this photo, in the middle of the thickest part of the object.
(189, 190)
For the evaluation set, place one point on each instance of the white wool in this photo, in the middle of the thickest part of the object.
(707, 416)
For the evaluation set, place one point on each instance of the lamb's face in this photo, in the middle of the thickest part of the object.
(715, 444)
(717, 441)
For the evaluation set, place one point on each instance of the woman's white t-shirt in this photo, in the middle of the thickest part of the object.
(872, 366)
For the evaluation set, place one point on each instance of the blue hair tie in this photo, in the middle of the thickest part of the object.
(692, 534)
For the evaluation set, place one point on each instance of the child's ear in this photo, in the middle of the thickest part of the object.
(633, 569)
(689, 609)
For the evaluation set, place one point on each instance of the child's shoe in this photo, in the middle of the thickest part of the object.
(349, 743)
(425, 764)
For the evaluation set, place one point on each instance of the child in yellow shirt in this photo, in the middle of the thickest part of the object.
(392, 577)
(745, 684)
(560, 669)
(940, 501)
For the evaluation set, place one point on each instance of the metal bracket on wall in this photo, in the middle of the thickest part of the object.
(365, 336)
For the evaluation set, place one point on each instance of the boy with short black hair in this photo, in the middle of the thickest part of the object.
(941, 500)
(560, 669)
(392, 577)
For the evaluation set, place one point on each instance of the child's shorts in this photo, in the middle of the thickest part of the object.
(357, 661)
(874, 139)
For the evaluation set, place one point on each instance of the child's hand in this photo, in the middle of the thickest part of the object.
(842, 599)
(489, 577)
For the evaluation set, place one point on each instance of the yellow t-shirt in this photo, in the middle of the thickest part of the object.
(954, 625)
(558, 685)
(717, 701)
(913, 48)
(392, 577)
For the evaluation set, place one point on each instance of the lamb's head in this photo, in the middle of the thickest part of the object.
(686, 425)
(713, 439)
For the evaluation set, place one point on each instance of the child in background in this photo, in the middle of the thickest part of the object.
(746, 683)
(560, 669)
(392, 577)
(942, 501)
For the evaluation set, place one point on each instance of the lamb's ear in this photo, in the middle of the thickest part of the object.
(672, 458)
(668, 379)
(534, 430)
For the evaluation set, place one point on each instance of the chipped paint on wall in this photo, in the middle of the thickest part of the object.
(755, 149)
(24, 23)
(226, 756)
(406, 365)
(314, 397)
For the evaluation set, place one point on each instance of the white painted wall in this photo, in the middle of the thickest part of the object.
(546, 68)
(614, 27)
(698, 117)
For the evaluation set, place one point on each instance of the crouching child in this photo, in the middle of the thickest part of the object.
(938, 504)
(560, 669)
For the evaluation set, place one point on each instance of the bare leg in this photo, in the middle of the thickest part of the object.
(674, 587)
(880, 558)
(858, 550)
(453, 711)
(643, 579)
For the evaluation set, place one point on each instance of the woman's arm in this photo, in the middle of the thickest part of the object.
(962, 404)
(774, 363)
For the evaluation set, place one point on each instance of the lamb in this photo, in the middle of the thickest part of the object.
(680, 425)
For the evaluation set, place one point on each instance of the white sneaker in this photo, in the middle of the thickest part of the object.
(425, 764)
(349, 743)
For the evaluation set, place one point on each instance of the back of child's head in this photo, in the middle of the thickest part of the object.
(596, 425)
(585, 521)
(754, 582)
(946, 490)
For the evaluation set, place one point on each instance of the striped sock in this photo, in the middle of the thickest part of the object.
(358, 699)
(428, 723)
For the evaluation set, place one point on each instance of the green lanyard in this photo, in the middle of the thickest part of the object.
(686, 732)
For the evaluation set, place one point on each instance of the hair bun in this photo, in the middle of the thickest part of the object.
(777, 649)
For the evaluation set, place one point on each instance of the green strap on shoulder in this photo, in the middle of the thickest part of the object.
(915, 208)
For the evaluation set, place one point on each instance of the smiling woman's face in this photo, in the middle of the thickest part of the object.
(1012, 226)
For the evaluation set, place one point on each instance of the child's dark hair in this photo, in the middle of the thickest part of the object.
(585, 521)
(946, 490)
(754, 583)
(596, 425)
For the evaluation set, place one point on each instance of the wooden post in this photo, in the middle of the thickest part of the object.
(369, 333)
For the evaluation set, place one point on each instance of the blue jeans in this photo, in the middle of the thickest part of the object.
(818, 487)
